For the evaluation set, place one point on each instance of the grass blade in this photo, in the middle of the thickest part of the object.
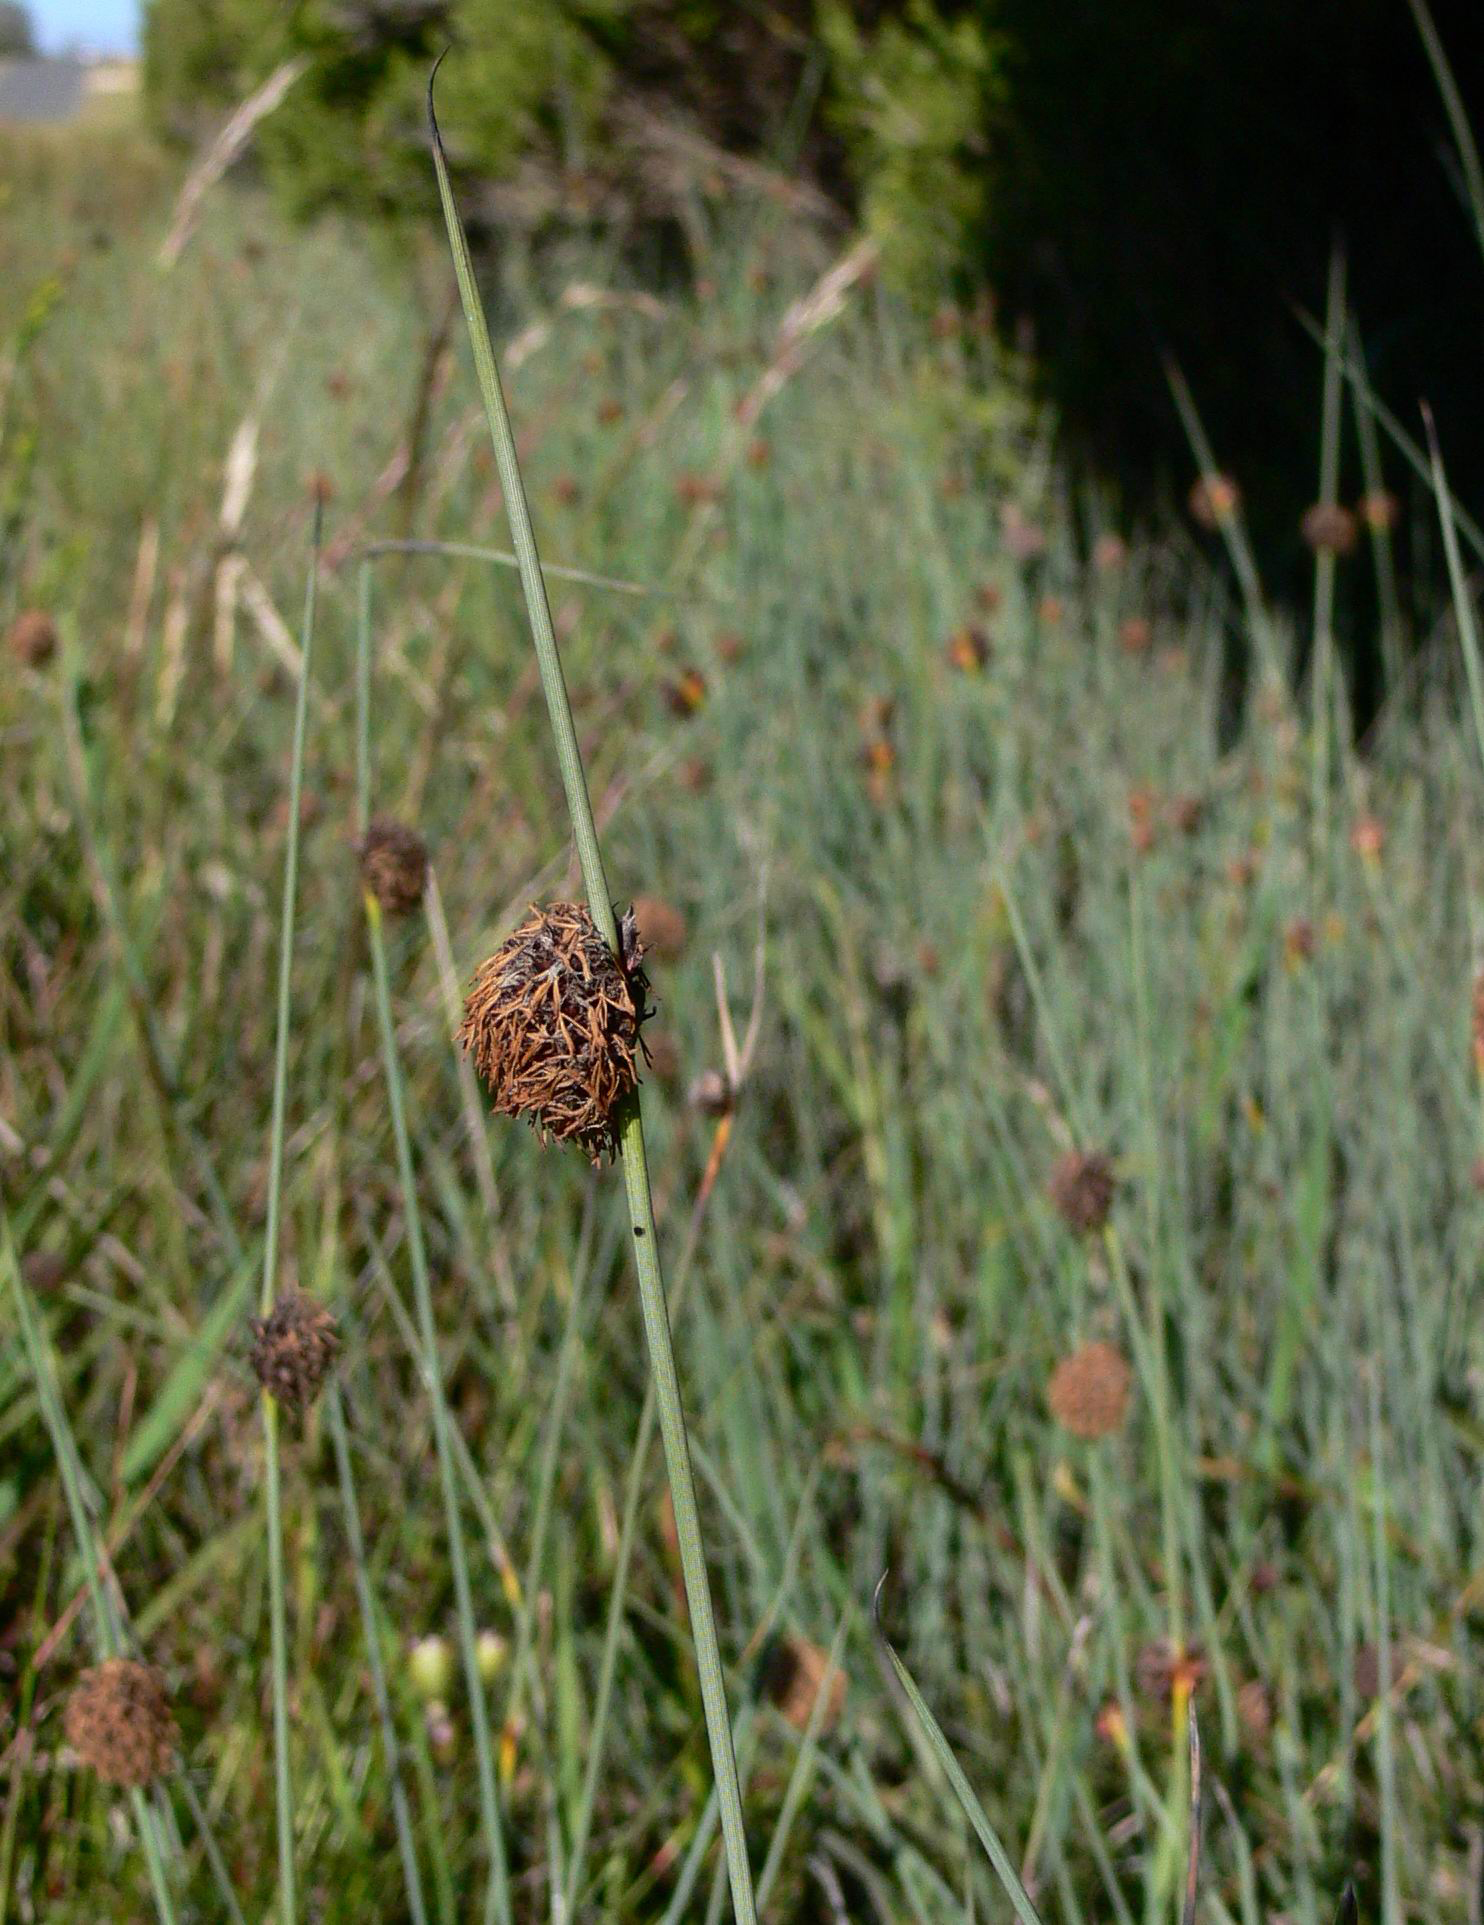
(995, 1851)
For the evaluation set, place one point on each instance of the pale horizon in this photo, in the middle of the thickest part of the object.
(104, 26)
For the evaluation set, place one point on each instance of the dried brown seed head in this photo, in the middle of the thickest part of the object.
(552, 1021)
(118, 1722)
(662, 927)
(968, 649)
(33, 637)
(1378, 510)
(1082, 1188)
(1214, 500)
(1162, 1668)
(1088, 1392)
(711, 1094)
(1329, 529)
(44, 1271)
(686, 694)
(294, 1348)
(1135, 633)
(1109, 553)
(794, 1673)
(394, 865)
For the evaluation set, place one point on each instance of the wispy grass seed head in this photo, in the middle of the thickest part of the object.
(294, 1349)
(552, 1021)
(394, 865)
(118, 1722)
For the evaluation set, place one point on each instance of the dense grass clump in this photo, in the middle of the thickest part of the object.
(1068, 895)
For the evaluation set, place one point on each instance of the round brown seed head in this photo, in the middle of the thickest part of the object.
(294, 1347)
(1378, 510)
(711, 1094)
(967, 649)
(1109, 553)
(552, 1021)
(794, 1674)
(662, 927)
(1082, 1189)
(1088, 1392)
(44, 1271)
(1214, 500)
(394, 865)
(118, 1722)
(1161, 1668)
(33, 637)
(1329, 529)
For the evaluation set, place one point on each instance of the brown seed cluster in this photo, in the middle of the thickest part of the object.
(1088, 1392)
(294, 1349)
(1081, 1188)
(33, 637)
(552, 1021)
(1329, 529)
(1214, 500)
(662, 927)
(394, 865)
(793, 1676)
(1162, 1668)
(118, 1722)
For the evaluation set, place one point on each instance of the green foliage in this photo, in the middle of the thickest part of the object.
(916, 101)
(16, 36)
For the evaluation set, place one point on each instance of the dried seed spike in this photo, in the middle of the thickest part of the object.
(1082, 1186)
(294, 1347)
(394, 865)
(118, 1722)
(552, 1021)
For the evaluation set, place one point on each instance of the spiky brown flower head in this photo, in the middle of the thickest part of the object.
(662, 928)
(1214, 500)
(552, 1021)
(1368, 839)
(33, 637)
(43, 1271)
(1024, 539)
(1379, 510)
(1088, 1391)
(712, 1094)
(610, 412)
(294, 1349)
(794, 1673)
(967, 649)
(1135, 633)
(1143, 819)
(1329, 529)
(1255, 1711)
(1161, 1669)
(696, 491)
(686, 694)
(118, 1722)
(1109, 553)
(1081, 1190)
(1300, 940)
(1187, 813)
(1050, 611)
(394, 865)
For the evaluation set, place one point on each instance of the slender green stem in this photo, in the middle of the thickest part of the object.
(631, 1135)
(277, 1616)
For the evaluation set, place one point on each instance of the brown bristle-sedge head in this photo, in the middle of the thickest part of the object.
(1089, 1390)
(552, 1021)
(1329, 529)
(33, 637)
(294, 1349)
(118, 1722)
(1082, 1187)
(794, 1673)
(394, 865)
(1162, 1668)
(662, 927)
(1214, 500)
